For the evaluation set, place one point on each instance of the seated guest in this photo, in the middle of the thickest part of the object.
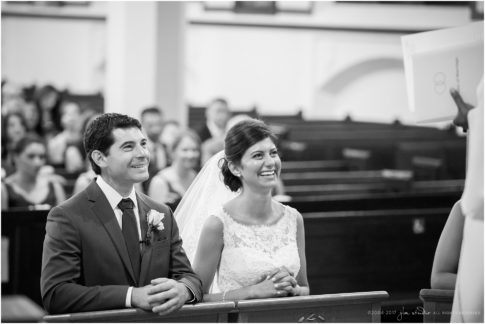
(26, 187)
(255, 244)
(152, 123)
(212, 132)
(48, 100)
(32, 117)
(85, 178)
(13, 98)
(171, 130)
(447, 255)
(111, 247)
(170, 184)
(65, 148)
(14, 128)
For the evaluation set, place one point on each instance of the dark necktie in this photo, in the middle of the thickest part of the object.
(130, 233)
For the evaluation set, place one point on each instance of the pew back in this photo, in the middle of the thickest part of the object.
(350, 307)
(25, 231)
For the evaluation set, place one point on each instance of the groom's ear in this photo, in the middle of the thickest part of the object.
(99, 158)
(235, 170)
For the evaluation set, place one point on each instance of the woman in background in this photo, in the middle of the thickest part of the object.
(171, 183)
(48, 100)
(64, 149)
(27, 187)
(14, 128)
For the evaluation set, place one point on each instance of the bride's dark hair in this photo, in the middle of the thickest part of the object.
(239, 138)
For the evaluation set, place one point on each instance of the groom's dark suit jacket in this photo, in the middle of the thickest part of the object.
(85, 263)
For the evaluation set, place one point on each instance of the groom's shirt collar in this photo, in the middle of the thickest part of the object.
(112, 195)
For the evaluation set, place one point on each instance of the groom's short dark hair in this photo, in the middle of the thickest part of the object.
(99, 134)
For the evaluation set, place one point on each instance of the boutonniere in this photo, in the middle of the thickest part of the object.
(155, 224)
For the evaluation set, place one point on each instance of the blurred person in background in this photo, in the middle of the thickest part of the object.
(27, 187)
(85, 178)
(12, 98)
(32, 116)
(14, 128)
(48, 100)
(213, 131)
(171, 130)
(152, 124)
(170, 184)
(64, 149)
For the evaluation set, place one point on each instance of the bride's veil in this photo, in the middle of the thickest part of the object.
(205, 197)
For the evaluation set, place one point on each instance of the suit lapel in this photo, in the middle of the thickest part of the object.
(143, 209)
(102, 209)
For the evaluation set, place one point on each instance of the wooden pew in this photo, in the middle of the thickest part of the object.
(349, 307)
(328, 177)
(414, 186)
(369, 201)
(437, 305)
(18, 308)
(209, 312)
(314, 166)
(25, 231)
(370, 250)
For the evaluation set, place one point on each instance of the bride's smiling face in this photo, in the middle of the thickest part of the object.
(260, 165)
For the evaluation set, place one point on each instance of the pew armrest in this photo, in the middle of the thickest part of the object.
(201, 312)
(437, 305)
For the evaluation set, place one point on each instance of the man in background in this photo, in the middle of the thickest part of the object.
(213, 131)
(152, 123)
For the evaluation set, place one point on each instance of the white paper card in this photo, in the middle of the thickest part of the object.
(438, 60)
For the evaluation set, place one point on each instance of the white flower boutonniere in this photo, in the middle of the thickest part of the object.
(155, 224)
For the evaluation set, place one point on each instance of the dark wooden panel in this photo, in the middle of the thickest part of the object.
(352, 307)
(25, 231)
(388, 250)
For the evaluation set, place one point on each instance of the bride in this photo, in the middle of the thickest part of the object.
(234, 230)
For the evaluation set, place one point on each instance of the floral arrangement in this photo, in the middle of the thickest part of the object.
(155, 224)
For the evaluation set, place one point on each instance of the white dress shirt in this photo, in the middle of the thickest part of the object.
(114, 199)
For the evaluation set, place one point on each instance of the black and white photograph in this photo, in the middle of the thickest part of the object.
(242, 161)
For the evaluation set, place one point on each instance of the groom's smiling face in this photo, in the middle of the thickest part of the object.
(127, 160)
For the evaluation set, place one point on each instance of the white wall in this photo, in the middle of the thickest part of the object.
(309, 65)
(326, 72)
(66, 53)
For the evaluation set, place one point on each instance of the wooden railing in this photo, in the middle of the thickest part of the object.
(437, 305)
(202, 312)
(351, 307)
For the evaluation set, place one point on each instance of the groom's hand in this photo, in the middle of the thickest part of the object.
(167, 295)
(139, 297)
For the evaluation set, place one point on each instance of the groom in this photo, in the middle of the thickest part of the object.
(109, 246)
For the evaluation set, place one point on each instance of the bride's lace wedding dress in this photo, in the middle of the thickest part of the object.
(250, 251)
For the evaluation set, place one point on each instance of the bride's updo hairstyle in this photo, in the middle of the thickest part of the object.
(239, 138)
